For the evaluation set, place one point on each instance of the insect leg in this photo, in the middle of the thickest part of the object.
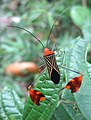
(54, 46)
(60, 52)
(41, 68)
(70, 69)
(41, 58)
(32, 84)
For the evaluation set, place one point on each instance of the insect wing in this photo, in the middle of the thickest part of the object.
(53, 69)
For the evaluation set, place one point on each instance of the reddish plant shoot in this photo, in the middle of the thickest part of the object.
(36, 96)
(74, 84)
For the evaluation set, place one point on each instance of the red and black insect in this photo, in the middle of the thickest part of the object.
(36, 96)
(49, 55)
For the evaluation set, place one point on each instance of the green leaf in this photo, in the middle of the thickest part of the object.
(80, 15)
(61, 113)
(76, 59)
(78, 63)
(10, 105)
(46, 109)
(89, 69)
(68, 110)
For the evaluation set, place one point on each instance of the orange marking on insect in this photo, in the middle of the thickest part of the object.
(48, 52)
(74, 84)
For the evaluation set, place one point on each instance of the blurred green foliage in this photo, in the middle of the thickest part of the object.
(38, 17)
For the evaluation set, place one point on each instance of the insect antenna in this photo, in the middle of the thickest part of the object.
(28, 32)
(54, 25)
